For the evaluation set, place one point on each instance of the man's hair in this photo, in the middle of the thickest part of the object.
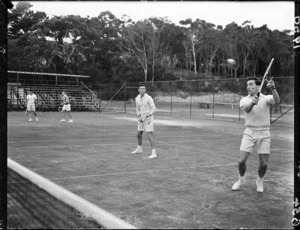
(256, 80)
(142, 84)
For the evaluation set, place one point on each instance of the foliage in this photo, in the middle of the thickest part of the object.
(110, 49)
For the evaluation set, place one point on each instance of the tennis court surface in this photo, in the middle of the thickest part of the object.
(187, 186)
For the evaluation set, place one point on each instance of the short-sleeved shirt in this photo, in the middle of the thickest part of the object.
(144, 105)
(31, 98)
(66, 99)
(259, 116)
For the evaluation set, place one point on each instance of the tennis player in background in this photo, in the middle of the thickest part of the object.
(31, 105)
(66, 107)
(145, 108)
(257, 132)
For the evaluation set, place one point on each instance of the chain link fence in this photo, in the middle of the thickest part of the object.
(208, 98)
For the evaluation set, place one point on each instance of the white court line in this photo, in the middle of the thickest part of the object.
(137, 172)
(123, 138)
(282, 150)
(166, 122)
(56, 146)
(225, 115)
(197, 150)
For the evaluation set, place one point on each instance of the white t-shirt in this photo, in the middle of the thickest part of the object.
(259, 116)
(66, 99)
(144, 105)
(31, 98)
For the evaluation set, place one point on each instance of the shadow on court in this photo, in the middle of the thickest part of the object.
(187, 186)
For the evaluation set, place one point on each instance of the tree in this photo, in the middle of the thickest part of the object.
(136, 43)
(22, 19)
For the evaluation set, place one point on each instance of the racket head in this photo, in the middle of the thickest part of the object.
(148, 120)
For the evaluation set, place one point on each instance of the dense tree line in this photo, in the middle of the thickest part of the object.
(110, 49)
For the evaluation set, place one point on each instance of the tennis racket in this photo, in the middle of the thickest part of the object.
(263, 80)
(146, 120)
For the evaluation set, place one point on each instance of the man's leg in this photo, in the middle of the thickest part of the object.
(242, 170)
(151, 139)
(263, 165)
(140, 141)
(152, 143)
(242, 162)
(263, 160)
(71, 120)
(29, 113)
(36, 117)
(63, 116)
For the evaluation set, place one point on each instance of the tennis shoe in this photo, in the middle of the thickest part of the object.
(70, 120)
(237, 185)
(62, 120)
(260, 186)
(138, 150)
(29, 120)
(153, 155)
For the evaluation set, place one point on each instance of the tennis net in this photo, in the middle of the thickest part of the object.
(36, 202)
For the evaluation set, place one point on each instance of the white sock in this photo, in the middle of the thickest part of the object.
(260, 179)
(241, 178)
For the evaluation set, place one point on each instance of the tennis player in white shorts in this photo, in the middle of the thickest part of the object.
(145, 108)
(31, 105)
(257, 132)
(66, 107)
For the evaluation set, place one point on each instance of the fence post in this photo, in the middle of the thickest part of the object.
(213, 103)
(125, 96)
(100, 96)
(190, 105)
(171, 101)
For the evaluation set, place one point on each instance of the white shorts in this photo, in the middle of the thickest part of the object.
(30, 107)
(143, 126)
(67, 108)
(261, 139)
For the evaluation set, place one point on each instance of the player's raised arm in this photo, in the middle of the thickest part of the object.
(271, 85)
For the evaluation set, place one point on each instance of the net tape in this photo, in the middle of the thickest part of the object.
(89, 210)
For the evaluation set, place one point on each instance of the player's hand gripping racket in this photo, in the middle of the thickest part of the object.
(263, 80)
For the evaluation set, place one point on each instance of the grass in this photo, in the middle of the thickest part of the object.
(187, 186)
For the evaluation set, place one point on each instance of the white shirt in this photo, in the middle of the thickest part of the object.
(65, 99)
(144, 105)
(259, 116)
(31, 98)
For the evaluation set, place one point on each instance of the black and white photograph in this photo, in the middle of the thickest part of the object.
(150, 114)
